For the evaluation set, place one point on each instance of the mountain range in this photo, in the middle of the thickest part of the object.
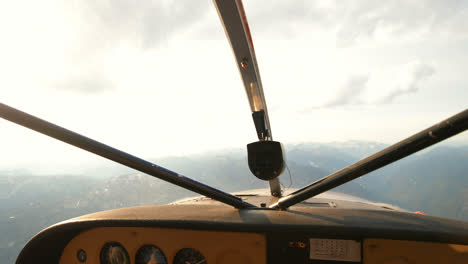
(433, 181)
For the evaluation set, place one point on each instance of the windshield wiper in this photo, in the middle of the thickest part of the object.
(85, 143)
(441, 131)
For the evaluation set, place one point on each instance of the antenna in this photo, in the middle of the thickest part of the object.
(266, 159)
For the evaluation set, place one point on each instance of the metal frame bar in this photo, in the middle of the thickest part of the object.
(434, 134)
(100, 149)
(234, 21)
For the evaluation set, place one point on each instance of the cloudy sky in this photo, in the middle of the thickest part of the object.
(158, 78)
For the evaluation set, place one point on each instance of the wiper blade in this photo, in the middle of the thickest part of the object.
(441, 131)
(85, 143)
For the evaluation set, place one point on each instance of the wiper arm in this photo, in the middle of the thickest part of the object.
(118, 156)
(441, 131)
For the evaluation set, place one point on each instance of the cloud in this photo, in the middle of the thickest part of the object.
(146, 23)
(398, 17)
(409, 80)
(281, 17)
(95, 31)
(350, 93)
(87, 83)
(99, 36)
(406, 80)
(353, 20)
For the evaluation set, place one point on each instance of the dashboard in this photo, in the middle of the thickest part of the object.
(206, 234)
(161, 245)
(114, 245)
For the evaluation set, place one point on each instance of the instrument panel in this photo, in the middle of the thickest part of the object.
(210, 234)
(147, 245)
(125, 245)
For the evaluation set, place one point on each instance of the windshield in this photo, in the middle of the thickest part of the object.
(158, 79)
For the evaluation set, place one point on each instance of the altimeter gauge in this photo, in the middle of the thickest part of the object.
(189, 256)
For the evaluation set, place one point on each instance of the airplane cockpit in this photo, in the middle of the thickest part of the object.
(321, 230)
(307, 225)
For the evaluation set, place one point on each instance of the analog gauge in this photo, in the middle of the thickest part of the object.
(114, 253)
(149, 254)
(189, 256)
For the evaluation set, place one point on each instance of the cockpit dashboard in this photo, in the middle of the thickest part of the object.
(209, 233)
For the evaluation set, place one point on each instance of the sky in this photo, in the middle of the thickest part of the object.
(158, 78)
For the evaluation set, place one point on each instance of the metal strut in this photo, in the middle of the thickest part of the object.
(234, 21)
(100, 149)
(434, 134)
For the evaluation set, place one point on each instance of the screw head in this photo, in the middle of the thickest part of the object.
(81, 256)
(244, 63)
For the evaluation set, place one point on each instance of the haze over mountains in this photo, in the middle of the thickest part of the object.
(434, 181)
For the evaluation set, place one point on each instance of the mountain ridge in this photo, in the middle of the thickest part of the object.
(434, 181)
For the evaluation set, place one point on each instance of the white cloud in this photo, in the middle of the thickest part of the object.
(85, 82)
(356, 20)
(71, 45)
(158, 78)
(381, 88)
(350, 93)
(409, 80)
(146, 23)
